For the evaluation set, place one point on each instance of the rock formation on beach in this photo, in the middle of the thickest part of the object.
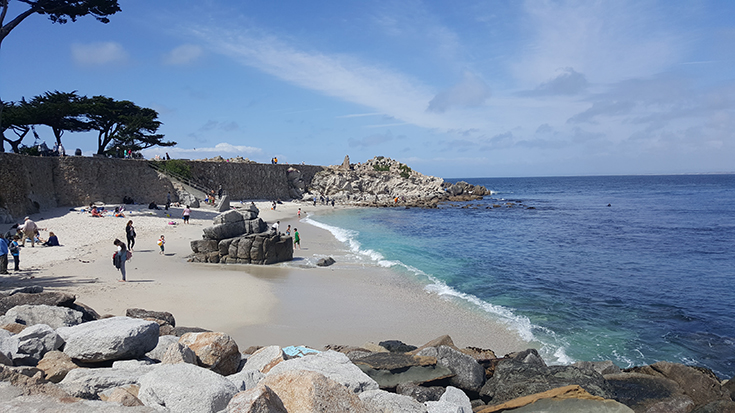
(385, 182)
(142, 362)
(240, 237)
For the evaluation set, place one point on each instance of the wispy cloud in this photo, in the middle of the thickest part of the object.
(223, 149)
(98, 54)
(183, 55)
(471, 91)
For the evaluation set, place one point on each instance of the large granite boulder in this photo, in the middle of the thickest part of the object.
(185, 388)
(179, 353)
(420, 393)
(644, 391)
(386, 402)
(37, 340)
(234, 225)
(50, 298)
(163, 344)
(468, 374)
(215, 351)
(246, 379)
(392, 369)
(333, 365)
(304, 391)
(113, 338)
(701, 385)
(52, 316)
(88, 383)
(204, 246)
(259, 399)
(453, 400)
(55, 366)
(264, 359)
(525, 373)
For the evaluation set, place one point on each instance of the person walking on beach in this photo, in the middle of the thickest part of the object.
(298, 213)
(3, 256)
(186, 214)
(130, 235)
(161, 243)
(29, 229)
(14, 249)
(296, 238)
(288, 231)
(120, 257)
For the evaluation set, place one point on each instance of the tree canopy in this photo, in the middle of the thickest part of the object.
(58, 11)
(119, 125)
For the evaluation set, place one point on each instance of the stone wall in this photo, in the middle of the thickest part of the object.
(31, 184)
(249, 180)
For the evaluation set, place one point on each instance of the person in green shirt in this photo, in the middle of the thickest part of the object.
(296, 238)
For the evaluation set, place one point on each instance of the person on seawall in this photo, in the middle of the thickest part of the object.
(120, 257)
(130, 234)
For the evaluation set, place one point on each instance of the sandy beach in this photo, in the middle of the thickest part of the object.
(294, 303)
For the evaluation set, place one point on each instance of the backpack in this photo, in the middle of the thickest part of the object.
(128, 255)
(13, 248)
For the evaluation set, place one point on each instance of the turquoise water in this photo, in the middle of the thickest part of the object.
(648, 278)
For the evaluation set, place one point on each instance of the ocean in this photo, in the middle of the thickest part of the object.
(633, 269)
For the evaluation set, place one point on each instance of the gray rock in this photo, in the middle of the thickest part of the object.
(325, 262)
(729, 388)
(257, 400)
(50, 298)
(228, 217)
(8, 347)
(718, 406)
(52, 316)
(468, 373)
(701, 385)
(185, 388)
(335, 366)
(204, 245)
(223, 204)
(453, 400)
(163, 343)
(643, 391)
(180, 331)
(386, 402)
(37, 340)
(88, 383)
(179, 353)
(264, 359)
(309, 391)
(55, 366)
(132, 364)
(158, 315)
(602, 367)
(113, 338)
(526, 374)
(246, 379)
(397, 346)
(30, 289)
(420, 393)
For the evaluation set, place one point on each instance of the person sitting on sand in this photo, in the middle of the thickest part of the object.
(119, 213)
(53, 240)
(96, 213)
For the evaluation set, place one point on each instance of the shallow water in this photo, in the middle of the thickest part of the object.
(647, 278)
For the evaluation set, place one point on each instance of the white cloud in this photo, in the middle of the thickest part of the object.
(226, 150)
(98, 54)
(471, 91)
(183, 55)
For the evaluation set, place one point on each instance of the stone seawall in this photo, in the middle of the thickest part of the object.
(31, 184)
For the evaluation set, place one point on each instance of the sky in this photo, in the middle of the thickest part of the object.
(452, 89)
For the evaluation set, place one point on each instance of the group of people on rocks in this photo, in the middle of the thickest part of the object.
(12, 241)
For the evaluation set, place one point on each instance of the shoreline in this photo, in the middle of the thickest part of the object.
(292, 303)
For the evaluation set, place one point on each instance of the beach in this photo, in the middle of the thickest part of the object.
(293, 303)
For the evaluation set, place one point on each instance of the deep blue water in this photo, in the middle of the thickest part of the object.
(650, 277)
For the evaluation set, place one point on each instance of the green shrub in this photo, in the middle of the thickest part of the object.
(405, 171)
(381, 168)
(177, 166)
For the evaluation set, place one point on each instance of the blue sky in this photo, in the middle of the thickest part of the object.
(453, 89)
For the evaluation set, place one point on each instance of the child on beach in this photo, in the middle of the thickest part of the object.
(298, 213)
(296, 238)
(288, 231)
(186, 214)
(161, 243)
(15, 252)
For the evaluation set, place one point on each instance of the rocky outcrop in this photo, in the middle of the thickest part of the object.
(386, 182)
(240, 237)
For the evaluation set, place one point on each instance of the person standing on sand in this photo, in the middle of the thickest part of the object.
(120, 257)
(3, 256)
(29, 229)
(288, 231)
(298, 213)
(296, 238)
(161, 243)
(276, 226)
(15, 252)
(186, 214)
(130, 235)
